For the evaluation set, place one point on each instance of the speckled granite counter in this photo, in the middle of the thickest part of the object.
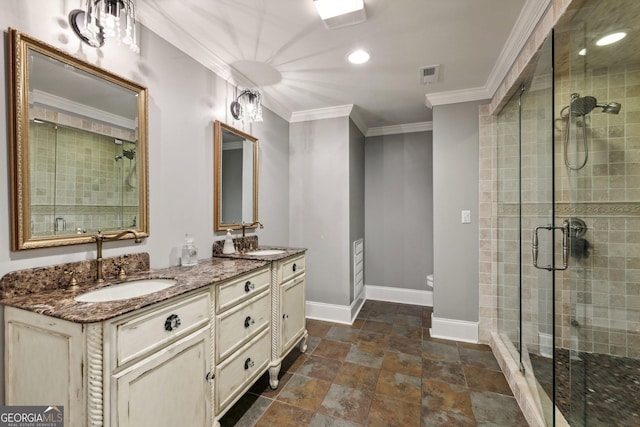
(250, 243)
(60, 303)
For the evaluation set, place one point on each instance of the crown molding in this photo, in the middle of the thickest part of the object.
(400, 129)
(455, 96)
(321, 113)
(76, 108)
(525, 25)
(357, 120)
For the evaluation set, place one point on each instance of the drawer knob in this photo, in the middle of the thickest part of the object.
(172, 322)
(248, 287)
(285, 316)
(248, 363)
(295, 267)
(210, 377)
(248, 321)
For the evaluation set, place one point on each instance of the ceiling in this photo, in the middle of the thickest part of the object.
(284, 48)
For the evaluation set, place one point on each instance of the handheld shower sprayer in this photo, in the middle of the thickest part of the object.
(580, 106)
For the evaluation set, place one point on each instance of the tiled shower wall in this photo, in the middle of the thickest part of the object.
(601, 292)
(86, 187)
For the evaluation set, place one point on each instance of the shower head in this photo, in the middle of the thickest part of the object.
(129, 154)
(583, 105)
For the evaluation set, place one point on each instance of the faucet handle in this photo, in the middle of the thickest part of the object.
(73, 281)
(122, 274)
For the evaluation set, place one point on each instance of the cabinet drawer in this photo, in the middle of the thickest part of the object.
(241, 323)
(144, 333)
(237, 290)
(292, 267)
(239, 371)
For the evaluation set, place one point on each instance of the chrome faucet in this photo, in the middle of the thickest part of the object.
(246, 225)
(100, 238)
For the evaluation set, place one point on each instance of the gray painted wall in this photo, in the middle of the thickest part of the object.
(184, 100)
(399, 210)
(455, 188)
(356, 194)
(273, 186)
(319, 182)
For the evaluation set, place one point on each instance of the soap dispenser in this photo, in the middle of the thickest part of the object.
(189, 252)
(228, 247)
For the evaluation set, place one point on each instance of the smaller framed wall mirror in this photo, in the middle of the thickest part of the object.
(236, 178)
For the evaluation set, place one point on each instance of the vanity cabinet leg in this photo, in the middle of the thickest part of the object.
(273, 375)
(303, 342)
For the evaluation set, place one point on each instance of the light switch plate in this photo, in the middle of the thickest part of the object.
(466, 217)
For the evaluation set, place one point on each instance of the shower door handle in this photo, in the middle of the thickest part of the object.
(565, 246)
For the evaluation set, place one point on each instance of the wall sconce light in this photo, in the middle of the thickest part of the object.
(102, 19)
(248, 104)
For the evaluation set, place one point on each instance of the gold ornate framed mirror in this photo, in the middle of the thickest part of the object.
(236, 178)
(78, 148)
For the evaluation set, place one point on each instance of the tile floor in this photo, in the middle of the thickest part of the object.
(386, 371)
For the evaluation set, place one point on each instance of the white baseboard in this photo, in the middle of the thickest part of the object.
(456, 330)
(347, 314)
(400, 295)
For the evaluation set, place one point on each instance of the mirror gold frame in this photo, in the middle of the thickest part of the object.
(19, 46)
(219, 224)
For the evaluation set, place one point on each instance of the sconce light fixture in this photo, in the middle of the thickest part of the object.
(102, 19)
(248, 104)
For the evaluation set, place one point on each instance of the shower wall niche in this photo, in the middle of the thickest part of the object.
(83, 177)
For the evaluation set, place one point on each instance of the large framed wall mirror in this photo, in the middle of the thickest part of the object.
(78, 148)
(236, 178)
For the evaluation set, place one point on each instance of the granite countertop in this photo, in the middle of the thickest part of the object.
(244, 255)
(60, 303)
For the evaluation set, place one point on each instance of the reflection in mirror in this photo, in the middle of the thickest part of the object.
(78, 148)
(236, 175)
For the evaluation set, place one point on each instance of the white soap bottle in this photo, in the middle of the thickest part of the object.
(228, 247)
(189, 252)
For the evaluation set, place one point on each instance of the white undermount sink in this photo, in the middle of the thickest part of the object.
(126, 290)
(265, 252)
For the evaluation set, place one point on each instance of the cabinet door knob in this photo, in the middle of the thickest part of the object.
(172, 322)
(210, 376)
(295, 267)
(248, 287)
(248, 363)
(285, 316)
(248, 322)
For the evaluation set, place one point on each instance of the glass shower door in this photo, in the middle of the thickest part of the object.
(527, 232)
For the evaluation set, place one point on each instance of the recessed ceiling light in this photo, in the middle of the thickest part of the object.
(583, 51)
(611, 38)
(358, 56)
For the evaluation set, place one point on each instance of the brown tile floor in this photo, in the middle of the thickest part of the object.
(386, 371)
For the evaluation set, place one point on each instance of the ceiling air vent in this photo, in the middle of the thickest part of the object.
(429, 74)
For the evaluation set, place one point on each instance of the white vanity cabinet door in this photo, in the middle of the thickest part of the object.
(293, 320)
(168, 388)
(39, 354)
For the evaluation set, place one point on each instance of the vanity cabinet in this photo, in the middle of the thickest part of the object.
(145, 368)
(288, 321)
(182, 361)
